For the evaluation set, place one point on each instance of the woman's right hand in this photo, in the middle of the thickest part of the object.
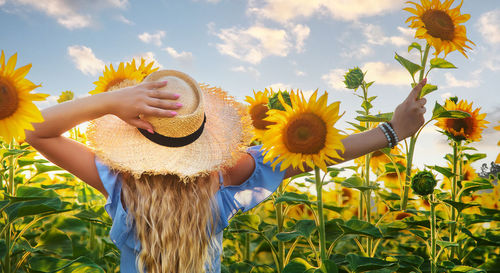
(145, 98)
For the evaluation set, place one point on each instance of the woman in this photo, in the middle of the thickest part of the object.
(178, 152)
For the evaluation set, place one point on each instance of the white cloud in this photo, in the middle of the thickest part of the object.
(451, 81)
(148, 57)
(49, 101)
(493, 63)
(2, 2)
(386, 73)
(335, 79)
(123, 19)
(152, 38)
(301, 33)
(489, 26)
(69, 13)
(357, 52)
(254, 43)
(280, 86)
(376, 36)
(181, 56)
(85, 60)
(249, 69)
(288, 10)
(300, 73)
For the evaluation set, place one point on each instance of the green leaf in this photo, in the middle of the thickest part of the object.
(330, 206)
(42, 168)
(388, 196)
(357, 126)
(302, 228)
(475, 157)
(428, 88)
(33, 207)
(447, 172)
(25, 162)
(466, 269)
(247, 221)
(17, 152)
(491, 239)
(362, 264)
(441, 63)
(358, 227)
(356, 182)
(476, 184)
(417, 221)
(459, 206)
(441, 112)
(422, 234)
(55, 241)
(51, 264)
(366, 105)
(297, 265)
(375, 118)
(327, 266)
(333, 229)
(240, 267)
(293, 198)
(415, 45)
(262, 269)
(410, 66)
(445, 244)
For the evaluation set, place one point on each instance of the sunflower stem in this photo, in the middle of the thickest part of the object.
(10, 190)
(279, 220)
(404, 201)
(433, 234)
(454, 196)
(319, 192)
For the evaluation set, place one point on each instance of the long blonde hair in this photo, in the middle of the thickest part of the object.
(173, 220)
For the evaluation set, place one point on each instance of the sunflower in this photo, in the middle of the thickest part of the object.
(65, 96)
(439, 25)
(112, 79)
(304, 132)
(258, 111)
(391, 178)
(468, 174)
(144, 69)
(468, 128)
(17, 110)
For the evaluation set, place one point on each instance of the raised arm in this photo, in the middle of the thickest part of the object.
(407, 119)
(125, 103)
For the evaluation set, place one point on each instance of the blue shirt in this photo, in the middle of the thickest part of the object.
(230, 199)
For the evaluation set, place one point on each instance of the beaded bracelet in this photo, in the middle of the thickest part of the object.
(386, 133)
(390, 134)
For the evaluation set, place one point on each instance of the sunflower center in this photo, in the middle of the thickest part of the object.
(258, 113)
(9, 100)
(461, 124)
(305, 134)
(439, 24)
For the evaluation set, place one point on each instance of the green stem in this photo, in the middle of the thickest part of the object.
(10, 190)
(404, 201)
(369, 241)
(433, 235)
(413, 140)
(453, 225)
(279, 220)
(322, 237)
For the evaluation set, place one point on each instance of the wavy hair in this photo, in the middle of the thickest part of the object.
(173, 220)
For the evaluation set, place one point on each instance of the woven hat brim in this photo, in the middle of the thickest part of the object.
(226, 134)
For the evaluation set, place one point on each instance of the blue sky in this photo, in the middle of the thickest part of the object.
(245, 45)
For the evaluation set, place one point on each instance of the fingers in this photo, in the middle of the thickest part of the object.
(154, 85)
(163, 103)
(139, 123)
(421, 102)
(415, 93)
(158, 112)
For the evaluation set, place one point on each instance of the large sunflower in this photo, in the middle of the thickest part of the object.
(468, 128)
(258, 112)
(439, 25)
(304, 132)
(144, 69)
(17, 110)
(123, 76)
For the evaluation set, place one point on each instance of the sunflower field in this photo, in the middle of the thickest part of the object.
(377, 213)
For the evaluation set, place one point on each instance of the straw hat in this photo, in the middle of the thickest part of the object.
(206, 135)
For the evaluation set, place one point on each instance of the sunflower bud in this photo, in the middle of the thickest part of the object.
(274, 101)
(423, 183)
(65, 96)
(354, 78)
